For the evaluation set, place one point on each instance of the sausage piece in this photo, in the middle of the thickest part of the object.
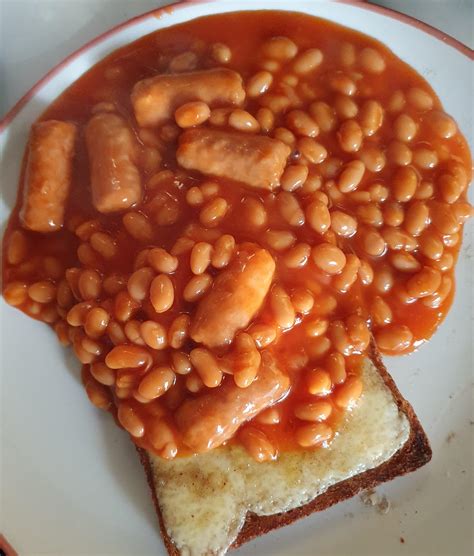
(155, 99)
(48, 175)
(208, 421)
(255, 160)
(112, 148)
(236, 296)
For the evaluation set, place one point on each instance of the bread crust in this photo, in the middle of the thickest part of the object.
(415, 453)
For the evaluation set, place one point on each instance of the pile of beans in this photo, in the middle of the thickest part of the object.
(364, 229)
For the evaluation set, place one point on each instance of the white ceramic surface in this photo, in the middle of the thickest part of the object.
(71, 483)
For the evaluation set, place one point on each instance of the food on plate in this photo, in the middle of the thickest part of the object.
(48, 175)
(155, 99)
(112, 148)
(257, 161)
(228, 232)
(237, 498)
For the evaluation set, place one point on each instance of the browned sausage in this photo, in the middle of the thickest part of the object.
(48, 175)
(112, 148)
(155, 99)
(252, 159)
(209, 420)
(237, 295)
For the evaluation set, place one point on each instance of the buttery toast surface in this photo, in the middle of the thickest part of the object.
(215, 501)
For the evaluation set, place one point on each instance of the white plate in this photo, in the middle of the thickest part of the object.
(70, 480)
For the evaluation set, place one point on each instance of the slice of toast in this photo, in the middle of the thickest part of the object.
(215, 501)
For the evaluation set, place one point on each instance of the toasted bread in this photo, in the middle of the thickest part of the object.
(205, 506)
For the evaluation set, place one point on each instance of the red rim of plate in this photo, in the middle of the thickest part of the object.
(393, 14)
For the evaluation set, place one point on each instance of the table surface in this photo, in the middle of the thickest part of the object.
(56, 28)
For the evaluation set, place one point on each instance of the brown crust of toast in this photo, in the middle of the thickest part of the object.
(415, 453)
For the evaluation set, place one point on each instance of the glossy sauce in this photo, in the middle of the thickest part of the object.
(112, 80)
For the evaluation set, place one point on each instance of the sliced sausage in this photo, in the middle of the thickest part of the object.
(48, 175)
(255, 160)
(155, 99)
(237, 294)
(112, 148)
(208, 421)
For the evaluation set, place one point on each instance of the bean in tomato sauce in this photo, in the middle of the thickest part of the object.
(220, 226)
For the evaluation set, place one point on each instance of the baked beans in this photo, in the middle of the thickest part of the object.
(347, 277)
(282, 308)
(161, 293)
(259, 83)
(399, 153)
(329, 258)
(290, 209)
(345, 107)
(350, 136)
(442, 124)
(302, 124)
(307, 61)
(243, 121)
(213, 212)
(192, 114)
(347, 54)
(279, 48)
(302, 300)
(351, 176)
(371, 61)
(419, 99)
(313, 151)
(153, 334)
(162, 261)
(312, 435)
(279, 240)
(371, 117)
(206, 366)
(257, 444)
(383, 279)
(221, 53)
(366, 273)
(318, 216)
(42, 292)
(138, 226)
(343, 224)
(417, 218)
(266, 119)
(372, 157)
(197, 287)
(347, 395)
(104, 244)
(297, 256)
(405, 128)
(263, 334)
(129, 420)
(16, 293)
(156, 382)
(269, 416)
(139, 283)
(394, 338)
(323, 115)
(404, 262)
(374, 244)
(405, 182)
(348, 212)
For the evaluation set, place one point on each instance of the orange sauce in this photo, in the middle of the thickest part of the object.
(112, 79)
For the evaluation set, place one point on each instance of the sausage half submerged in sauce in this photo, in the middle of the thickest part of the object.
(112, 148)
(237, 295)
(155, 99)
(211, 419)
(255, 160)
(48, 175)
